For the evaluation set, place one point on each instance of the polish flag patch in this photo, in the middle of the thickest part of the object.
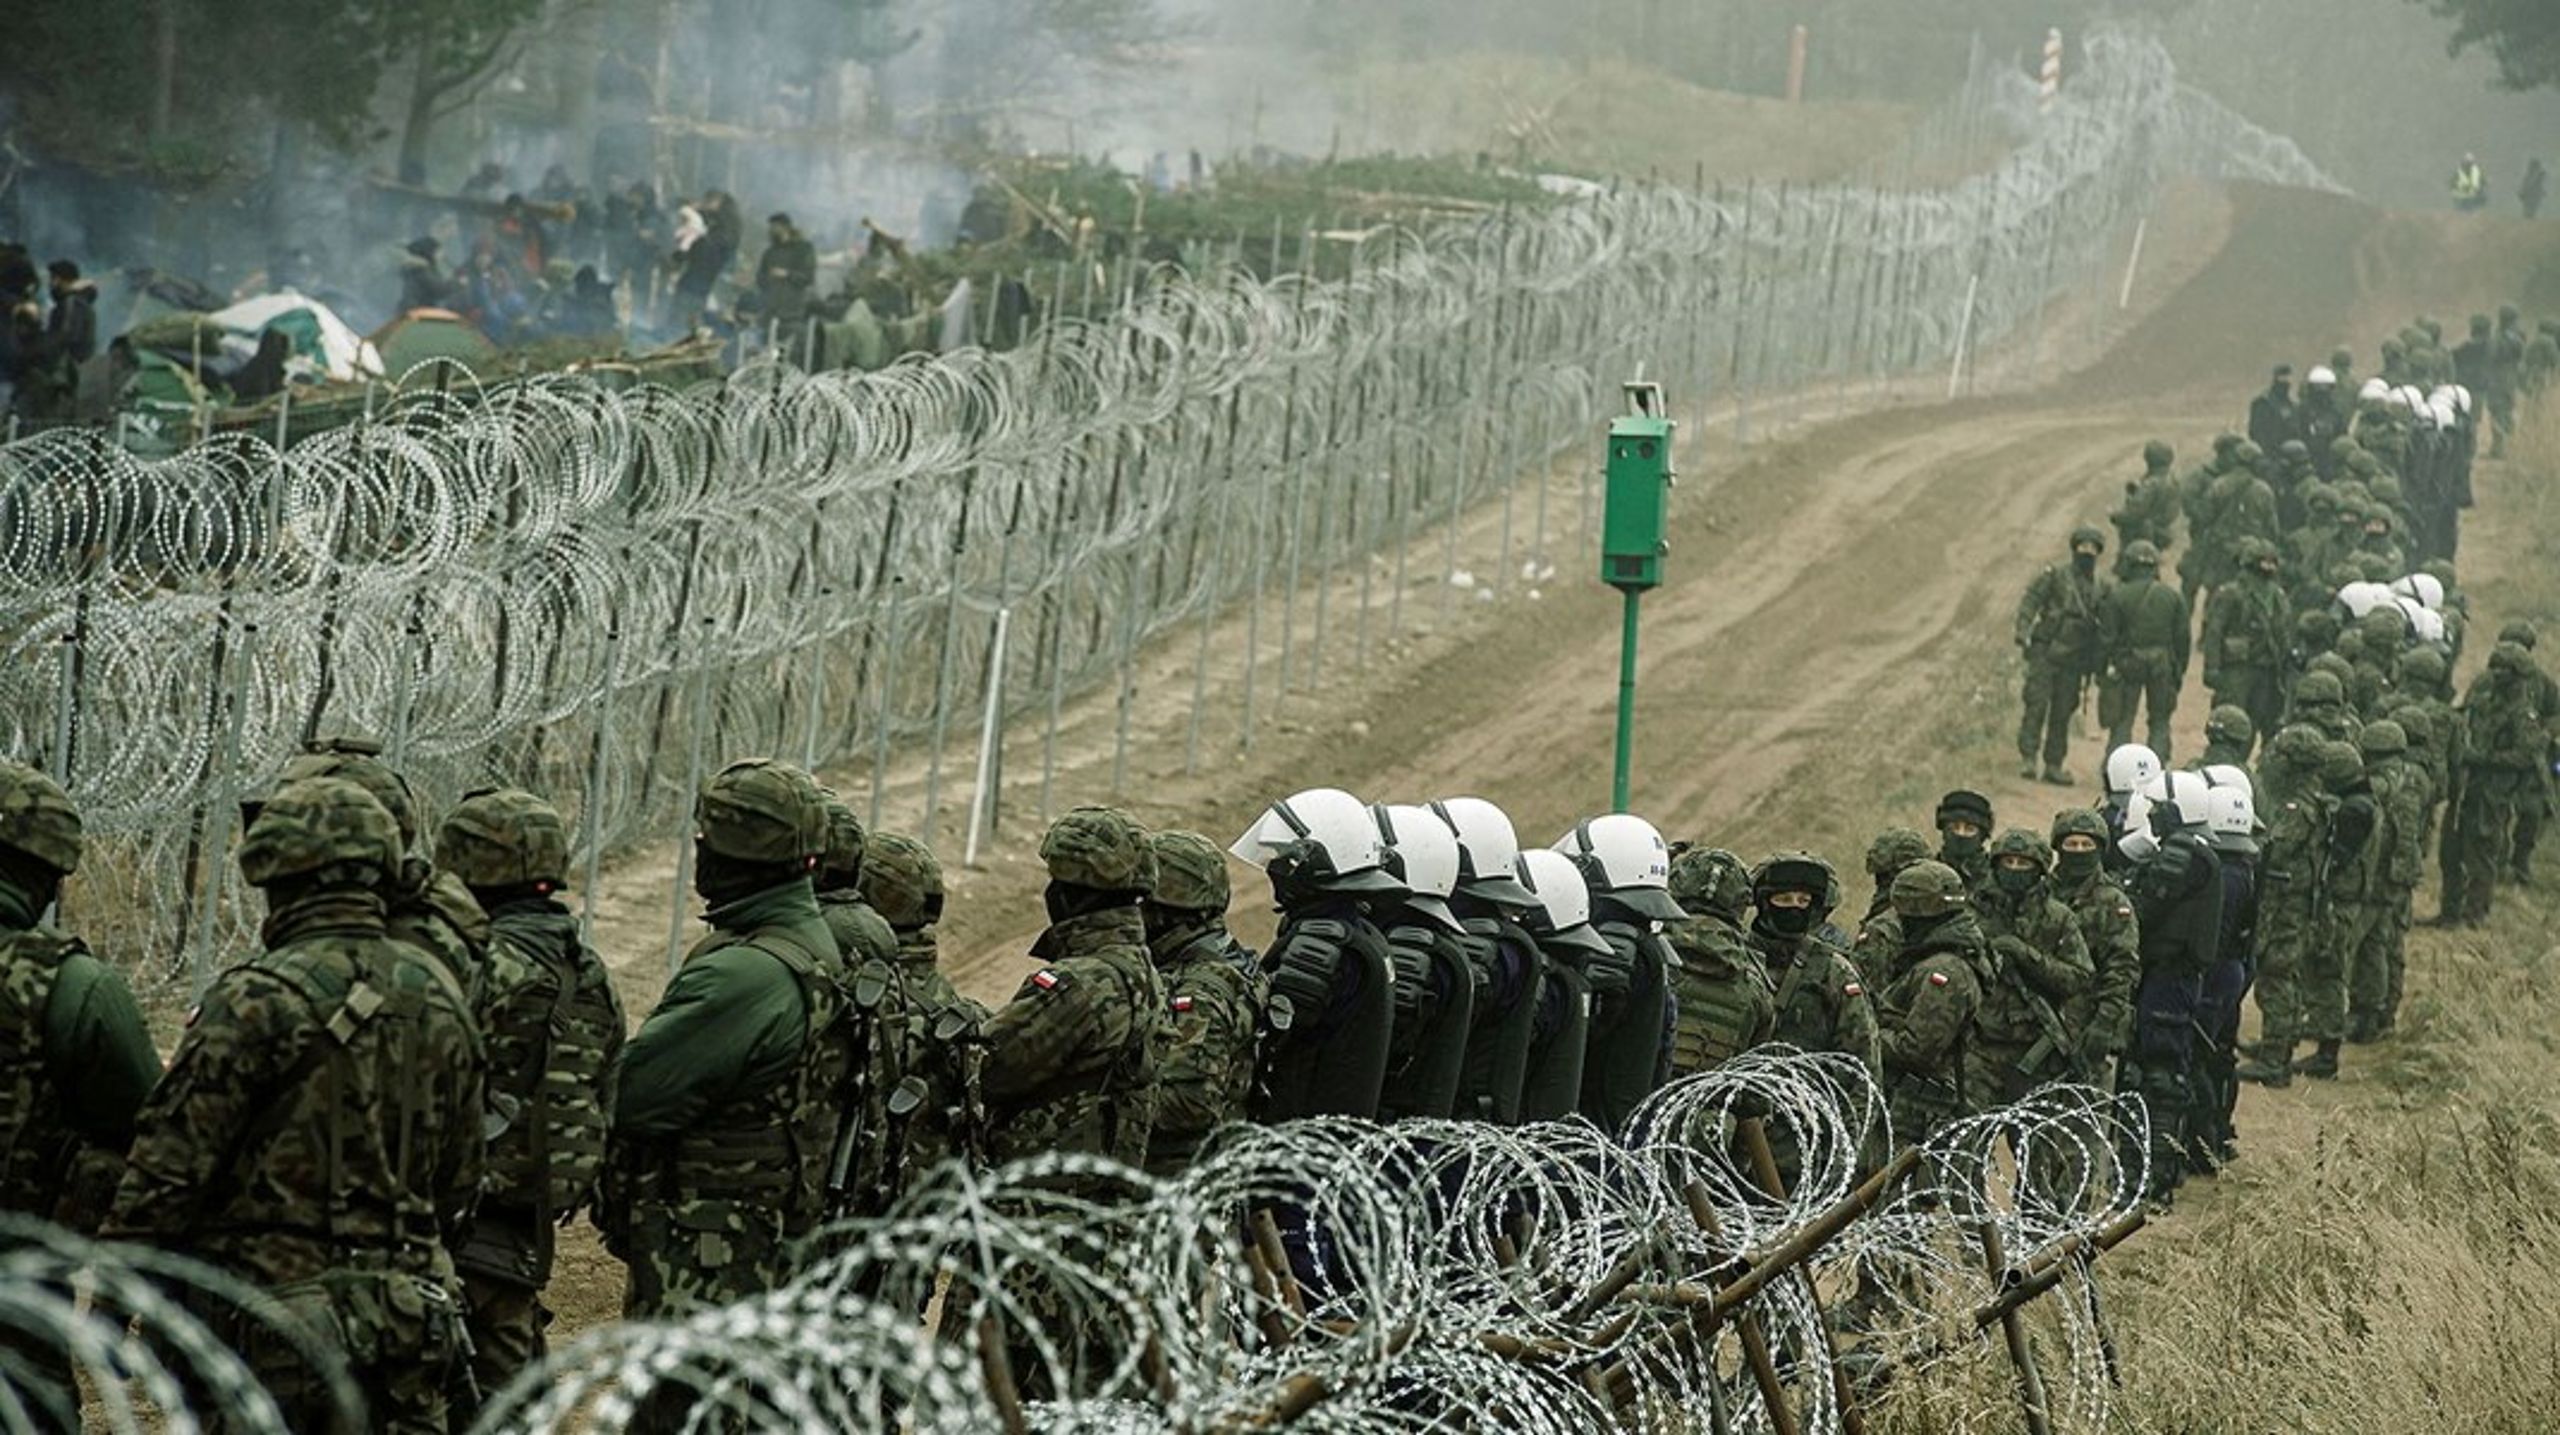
(1937, 979)
(1046, 980)
(1853, 990)
(1182, 1004)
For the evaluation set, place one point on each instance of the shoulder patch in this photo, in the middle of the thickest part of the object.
(1937, 979)
(1853, 989)
(1048, 979)
(1181, 1004)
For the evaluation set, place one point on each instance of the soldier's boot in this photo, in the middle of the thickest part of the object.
(2322, 1064)
(2027, 769)
(2054, 774)
(2363, 1027)
(2270, 1064)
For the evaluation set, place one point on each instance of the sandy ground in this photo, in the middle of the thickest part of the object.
(1831, 653)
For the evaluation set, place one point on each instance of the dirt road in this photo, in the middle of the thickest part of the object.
(1831, 653)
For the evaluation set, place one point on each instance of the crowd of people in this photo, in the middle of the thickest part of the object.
(52, 330)
(384, 1118)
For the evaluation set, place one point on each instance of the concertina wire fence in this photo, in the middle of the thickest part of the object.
(602, 594)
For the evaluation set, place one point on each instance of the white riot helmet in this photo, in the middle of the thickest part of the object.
(1322, 838)
(2231, 816)
(1624, 856)
(2223, 775)
(2425, 587)
(2138, 843)
(2461, 399)
(2134, 768)
(2371, 389)
(1488, 852)
(2321, 375)
(2189, 794)
(2359, 599)
(1422, 853)
(2426, 624)
(1563, 911)
(2446, 415)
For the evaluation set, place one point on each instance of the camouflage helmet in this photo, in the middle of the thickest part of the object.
(2296, 749)
(2510, 658)
(2022, 842)
(315, 824)
(760, 810)
(2385, 489)
(902, 881)
(2421, 668)
(841, 866)
(2375, 567)
(2520, 632)
(2341, 766)
(37, 818)
(2231, 723)
(2142, 553)
(2224, 443)
(2247, 452)
(2318, 688)
(2251, 549)
(2089, 535)
(1795, 871)
(1710, 880)
(1894, 849)
(2315, 627)
(2384, 738)
(2157, 454)
(503, 837)
(1191, 872)
(359, 760)
(1927, 888)
(1101, 848)
(2320, 497)
(2294, 450)
(2080, 822)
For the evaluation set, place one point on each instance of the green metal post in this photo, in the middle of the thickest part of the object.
(1626, 703)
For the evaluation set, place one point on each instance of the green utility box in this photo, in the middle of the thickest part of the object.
(1638, 497)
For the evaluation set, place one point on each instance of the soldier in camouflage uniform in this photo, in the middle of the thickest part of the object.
(553, 1027)
(2019, 1041)
(945, 1031)
(2537, 802)
(1822, 1002)
(428, 909)
(2399, 856)
(1072, 1061)
(1879, 936)
(2298, 964)
(2507, 739)
(2320, 701)
(319, 1130)
(1725, 1005)
(727, 1101)
(2142, 641)
(2101, 1019)
(2247, 634)
(886, 1086)
(1964, 823)
(1214, 996)
(79, 1059)
(2149, 513)
(2057, 632)
(1926, 1010)
(2229, 734)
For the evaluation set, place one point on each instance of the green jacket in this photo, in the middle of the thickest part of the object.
(950, 1122)
(1822, 1002)
(1213, 1003)
(1726, 1002)
(2057, 618)
(2019, 1038)
(1926, 1019)
(323, 1111)
(2248, 628)
(75, 1066)
(1072, 1060)
(2100, 1020)
(2144, 621)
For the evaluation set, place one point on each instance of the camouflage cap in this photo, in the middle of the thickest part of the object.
(2384, 738)
(1102, 848)
(2158, 454)
(761, 810)
(359, 760)
(1710, 880)
(902, 881)
(317, 824)
(846, 844)
(1927, 889)
(2142, 553)
(1794, 872)
(1964, 803)
(2520, 632)
(2231, 723)
(2087, 535)
(2022, 842)
(503, 837)
(1894, 849)
(1191, 872)
(2078, 821)
(37, 818)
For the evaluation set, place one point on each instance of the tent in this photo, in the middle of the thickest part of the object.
(425, 335)
(323, 346)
